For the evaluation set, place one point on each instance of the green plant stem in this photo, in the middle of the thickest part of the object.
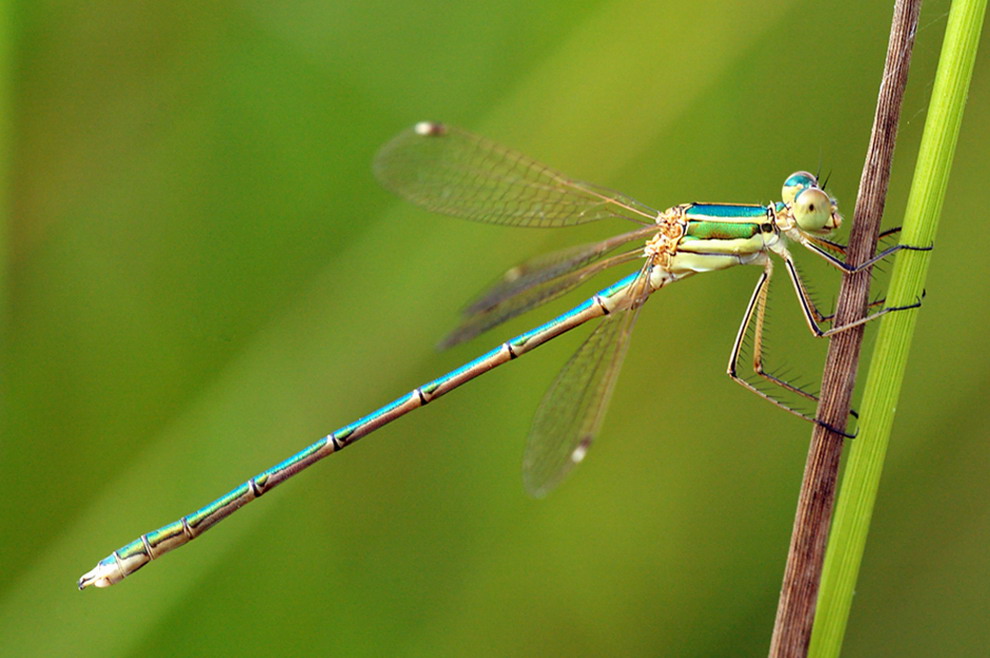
(862, 477)
(802, 573)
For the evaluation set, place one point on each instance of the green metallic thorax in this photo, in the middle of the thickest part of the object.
(718, 236)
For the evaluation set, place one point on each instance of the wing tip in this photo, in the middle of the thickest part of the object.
(430, 129)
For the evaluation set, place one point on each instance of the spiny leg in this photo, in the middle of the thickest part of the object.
(814, 317)
(757, 309)
(825, 248)
(869, 306)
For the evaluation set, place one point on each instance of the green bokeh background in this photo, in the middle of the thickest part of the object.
(202, 276)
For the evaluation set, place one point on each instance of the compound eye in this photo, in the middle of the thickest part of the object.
(813, 210)
(795, 184)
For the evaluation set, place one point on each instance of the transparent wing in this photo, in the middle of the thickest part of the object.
(550, 266)
(454, 172)
(573, 409)
(507, 301)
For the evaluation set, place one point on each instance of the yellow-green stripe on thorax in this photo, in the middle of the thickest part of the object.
(718, 236)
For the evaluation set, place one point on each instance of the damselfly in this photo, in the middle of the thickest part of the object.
(454, 172)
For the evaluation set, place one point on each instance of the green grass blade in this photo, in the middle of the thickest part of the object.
(862, 477)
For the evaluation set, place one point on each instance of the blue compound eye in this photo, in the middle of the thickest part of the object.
(795, 184)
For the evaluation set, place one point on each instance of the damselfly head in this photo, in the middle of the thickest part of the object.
(815, 212)
(797, 183)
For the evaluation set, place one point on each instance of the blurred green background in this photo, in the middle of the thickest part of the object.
(202, 276)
